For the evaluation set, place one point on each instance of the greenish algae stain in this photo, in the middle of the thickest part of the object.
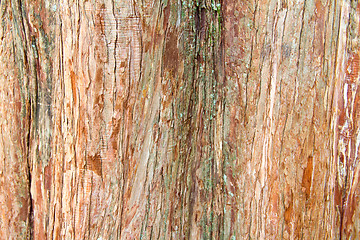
(196, 100)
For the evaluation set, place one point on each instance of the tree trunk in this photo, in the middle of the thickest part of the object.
(179, 119)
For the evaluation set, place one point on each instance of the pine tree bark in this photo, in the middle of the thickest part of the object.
(179, 119)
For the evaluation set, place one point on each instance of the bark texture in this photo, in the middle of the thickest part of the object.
(179, 119)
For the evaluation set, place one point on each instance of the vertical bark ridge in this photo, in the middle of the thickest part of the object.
(347, 132)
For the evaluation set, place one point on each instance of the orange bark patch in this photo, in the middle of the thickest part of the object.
(73, 84)
(307, 176)
(94, 164)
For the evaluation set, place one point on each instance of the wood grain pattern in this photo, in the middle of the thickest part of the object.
(179, 119)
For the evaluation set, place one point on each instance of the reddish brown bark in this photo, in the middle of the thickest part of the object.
(179, 119)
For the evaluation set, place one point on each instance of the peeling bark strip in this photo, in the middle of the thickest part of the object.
(182, 119)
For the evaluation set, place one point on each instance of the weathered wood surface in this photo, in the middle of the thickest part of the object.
(179, 119)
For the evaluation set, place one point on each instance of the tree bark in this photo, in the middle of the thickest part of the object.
(179, 119)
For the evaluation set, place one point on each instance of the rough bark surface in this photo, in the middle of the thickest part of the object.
(179, 119)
